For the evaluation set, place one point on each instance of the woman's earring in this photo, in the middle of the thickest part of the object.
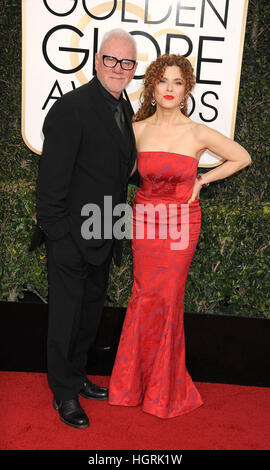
(182, 105)
(153, 102)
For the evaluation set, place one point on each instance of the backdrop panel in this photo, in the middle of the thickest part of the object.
(60, 40)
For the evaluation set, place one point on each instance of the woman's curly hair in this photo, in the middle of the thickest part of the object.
(153, 75)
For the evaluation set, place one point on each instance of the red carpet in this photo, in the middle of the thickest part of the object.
(232, 418)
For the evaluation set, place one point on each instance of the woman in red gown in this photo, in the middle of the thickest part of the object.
(150, 367)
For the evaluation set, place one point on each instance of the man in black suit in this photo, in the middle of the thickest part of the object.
(87, 155)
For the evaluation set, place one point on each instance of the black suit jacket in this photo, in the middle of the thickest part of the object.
(84, 158)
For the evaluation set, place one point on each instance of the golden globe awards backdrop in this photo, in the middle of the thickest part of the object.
(60, 38)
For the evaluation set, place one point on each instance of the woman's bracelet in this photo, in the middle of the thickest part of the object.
(199, 178)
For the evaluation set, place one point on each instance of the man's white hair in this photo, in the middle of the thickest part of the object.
(119, 33)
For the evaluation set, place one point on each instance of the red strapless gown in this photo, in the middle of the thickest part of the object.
(150, 364)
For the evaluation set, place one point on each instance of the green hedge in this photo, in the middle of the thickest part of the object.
(229, 272)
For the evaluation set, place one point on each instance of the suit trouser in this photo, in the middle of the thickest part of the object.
(77, 292)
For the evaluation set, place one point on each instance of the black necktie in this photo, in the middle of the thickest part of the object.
(120, 117)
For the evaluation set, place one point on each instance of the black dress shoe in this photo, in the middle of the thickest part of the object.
(93, 392)
(71, 413)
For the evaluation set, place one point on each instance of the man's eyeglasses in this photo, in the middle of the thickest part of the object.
(126, 64)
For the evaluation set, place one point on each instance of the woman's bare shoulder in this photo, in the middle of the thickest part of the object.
(142, 123)
(140, 126)
(198, 127)
(201, 131)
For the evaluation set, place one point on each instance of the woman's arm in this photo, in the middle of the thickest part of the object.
(235, 155)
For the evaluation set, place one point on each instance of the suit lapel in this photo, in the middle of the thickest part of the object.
(104, 114)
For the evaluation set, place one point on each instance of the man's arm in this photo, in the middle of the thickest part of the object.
(62, 135)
